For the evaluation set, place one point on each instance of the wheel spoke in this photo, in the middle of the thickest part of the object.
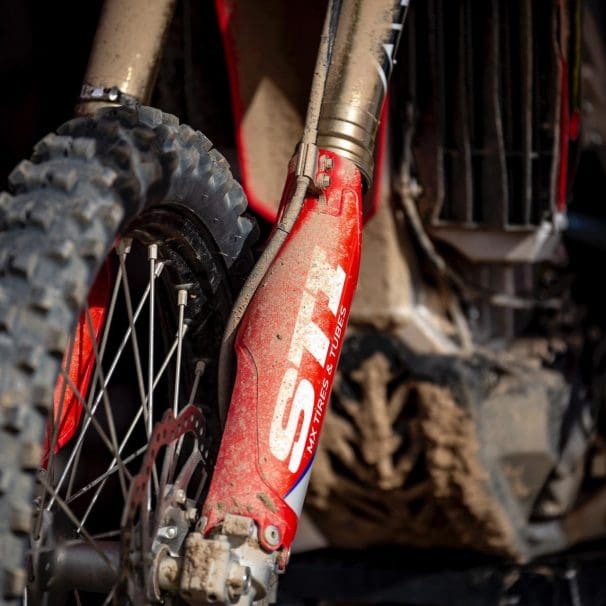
(199, 371)
(113, 469)
(165, 363)
(107, 535)
(106, 330)
(125, 246)
(181, 302)
(102, 434)
(175, 453)
(108, 377)
(169, 455)
(152, 254)
(109, 598)
(72, 475)
(109, 413)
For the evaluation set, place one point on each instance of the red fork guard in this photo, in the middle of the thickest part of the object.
(80, 366)
(287, 349)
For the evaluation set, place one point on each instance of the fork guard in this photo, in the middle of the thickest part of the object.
(287, 349)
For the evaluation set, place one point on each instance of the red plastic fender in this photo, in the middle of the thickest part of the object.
(67, 408)
(287, 349)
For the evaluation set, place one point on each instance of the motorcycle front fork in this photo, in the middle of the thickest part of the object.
(290, 337)
(287, 349)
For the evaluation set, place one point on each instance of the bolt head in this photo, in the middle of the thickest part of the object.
(324, 181)
(272, 535)
(168, 532)
(191, 514)
(180, 497)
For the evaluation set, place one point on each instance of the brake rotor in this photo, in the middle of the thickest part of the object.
(147, 532)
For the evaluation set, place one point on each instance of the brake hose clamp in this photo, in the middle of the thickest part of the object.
(307, 161)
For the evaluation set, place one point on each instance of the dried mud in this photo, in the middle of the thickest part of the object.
(398, 463)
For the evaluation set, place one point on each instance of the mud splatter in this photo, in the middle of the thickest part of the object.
(399, 464)
(267, 501)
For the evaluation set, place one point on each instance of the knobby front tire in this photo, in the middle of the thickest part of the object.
(124, 175)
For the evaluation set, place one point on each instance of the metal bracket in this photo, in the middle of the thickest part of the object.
(307, 161)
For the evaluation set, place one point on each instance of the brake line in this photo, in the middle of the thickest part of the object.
(307, 157)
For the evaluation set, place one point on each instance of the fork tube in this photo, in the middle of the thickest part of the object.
(366, 40)
(290, 337)
(126, 51)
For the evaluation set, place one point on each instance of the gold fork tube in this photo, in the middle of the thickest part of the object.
(366, 38)
(127, 48)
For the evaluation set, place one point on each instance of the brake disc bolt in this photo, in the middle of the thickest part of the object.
(180, 497)
(272, 535)
(191, 515)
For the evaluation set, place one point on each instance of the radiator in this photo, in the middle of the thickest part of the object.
(482, 96)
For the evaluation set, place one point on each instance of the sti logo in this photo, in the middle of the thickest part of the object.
(307, 336)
